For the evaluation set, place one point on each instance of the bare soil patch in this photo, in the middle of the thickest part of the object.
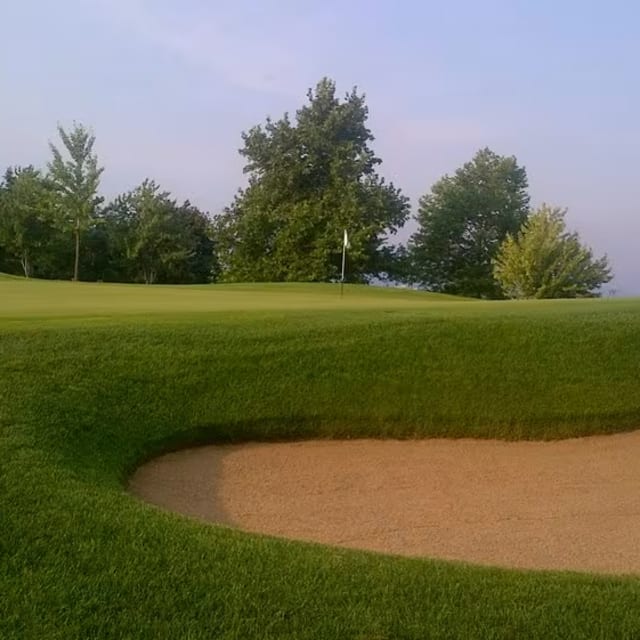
(571, 504)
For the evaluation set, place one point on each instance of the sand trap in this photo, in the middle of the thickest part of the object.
(573, 504)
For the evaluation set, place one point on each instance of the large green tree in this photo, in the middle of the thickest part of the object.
(544, 260)
(26, 213)
(150, 237)
(201, 264)
(463, 221)
(308, 180)
(76, 179)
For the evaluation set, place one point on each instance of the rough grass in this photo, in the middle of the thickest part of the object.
(95, 378)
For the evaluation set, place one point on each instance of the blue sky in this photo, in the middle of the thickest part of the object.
(168, 86)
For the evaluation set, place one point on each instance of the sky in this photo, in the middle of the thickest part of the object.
(168, 87)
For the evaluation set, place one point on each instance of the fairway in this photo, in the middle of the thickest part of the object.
(96, 379)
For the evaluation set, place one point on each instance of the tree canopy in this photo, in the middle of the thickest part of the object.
(310, 177)
(26, 215)
(309, 180)
(544, 260)
(76, 179)
(153, 239)
(463, 221)
(143, 235)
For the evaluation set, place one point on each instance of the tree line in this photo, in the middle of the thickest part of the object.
(309, 177)
(54, 224)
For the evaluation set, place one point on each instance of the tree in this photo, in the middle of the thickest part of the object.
(26, 206)
(201, 264)
(153, 239)
(463, 221)
(544, 260)
(155, 242)
(309, 180)
(76, 180)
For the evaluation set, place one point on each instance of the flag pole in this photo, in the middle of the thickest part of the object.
(344, 261)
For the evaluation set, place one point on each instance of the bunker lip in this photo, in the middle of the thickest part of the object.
(563, 505)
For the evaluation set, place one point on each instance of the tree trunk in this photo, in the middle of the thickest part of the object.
(76, 266)
(26, 265)
(149, 275)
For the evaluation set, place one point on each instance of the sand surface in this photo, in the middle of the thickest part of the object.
(572, 504)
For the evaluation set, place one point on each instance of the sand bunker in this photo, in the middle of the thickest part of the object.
(573, 504)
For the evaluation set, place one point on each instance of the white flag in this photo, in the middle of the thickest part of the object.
(345, 240)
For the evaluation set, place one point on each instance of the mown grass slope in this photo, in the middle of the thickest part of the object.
(95, 378)
(40, 299)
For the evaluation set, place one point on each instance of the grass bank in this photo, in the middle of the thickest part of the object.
(95, 378)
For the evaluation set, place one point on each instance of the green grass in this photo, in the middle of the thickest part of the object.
(7, 276)
(40, 299)
(96, 378)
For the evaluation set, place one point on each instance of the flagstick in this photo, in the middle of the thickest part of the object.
(344, 256)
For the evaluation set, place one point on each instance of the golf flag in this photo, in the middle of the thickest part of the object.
(345, 246)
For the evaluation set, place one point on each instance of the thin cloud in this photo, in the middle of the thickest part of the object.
(237, 54)
(418, 131)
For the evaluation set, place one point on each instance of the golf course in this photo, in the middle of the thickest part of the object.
(97, 380)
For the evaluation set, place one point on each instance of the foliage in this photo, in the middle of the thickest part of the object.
(143, 235)
(76, 180)
(308, 181)
(157, 240)
(26, 214)
(154, 241)
(462, 223)
(201, 264)
(544, 260)
(394, 264)
(89, 393)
